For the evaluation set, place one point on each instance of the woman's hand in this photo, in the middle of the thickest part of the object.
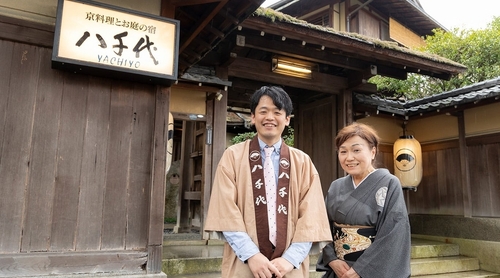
(339, 267)
(351, 273)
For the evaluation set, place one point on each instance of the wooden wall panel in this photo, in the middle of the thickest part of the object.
(493, 154)
(41, 184)
(69, 163)
(485, 180)
(93, 178)
(384, 158)
(491, 194)
(117, 167)
(6, 48)
(140, 167)
(369, 25)
(16, 142)
(76, 168)
(425, 199)
(479, 180)
(441, 191)
(317, 125)
(449, 182)
(76, 157)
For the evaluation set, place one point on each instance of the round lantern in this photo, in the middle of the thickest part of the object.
(408, 161)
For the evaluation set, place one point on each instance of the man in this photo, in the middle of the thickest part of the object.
(269, 213)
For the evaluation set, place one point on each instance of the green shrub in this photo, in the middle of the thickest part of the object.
(241, 137)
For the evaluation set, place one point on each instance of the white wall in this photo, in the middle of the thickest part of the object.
(478, 121)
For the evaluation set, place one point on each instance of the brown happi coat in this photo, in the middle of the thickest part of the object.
(232, 206)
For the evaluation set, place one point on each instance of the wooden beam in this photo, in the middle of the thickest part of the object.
(202, 24)
(307, 52)
(360, 49)
(191, 2)
(358, 78)
(366, 88)
(167, 9)
(386, 71)
(228, 16)
(216, 32)
(261, 71)
(73, 263)
(339, 58)
(26, 32)
(196, 87)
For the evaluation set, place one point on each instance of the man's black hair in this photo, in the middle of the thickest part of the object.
(280, 98)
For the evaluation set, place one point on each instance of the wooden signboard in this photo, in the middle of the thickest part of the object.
(96, 38)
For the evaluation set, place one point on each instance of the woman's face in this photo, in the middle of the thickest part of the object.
(355, 157)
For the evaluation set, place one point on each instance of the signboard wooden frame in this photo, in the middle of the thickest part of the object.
(101, 39)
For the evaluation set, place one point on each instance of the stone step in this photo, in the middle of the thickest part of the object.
(464, 274)
(186, 259)
(421, 248)
(179, 261)
(314, 274)
(442, 265)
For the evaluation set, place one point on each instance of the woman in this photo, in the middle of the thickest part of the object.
(367, 213)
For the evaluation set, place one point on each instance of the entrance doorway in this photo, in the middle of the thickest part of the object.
(185, 183)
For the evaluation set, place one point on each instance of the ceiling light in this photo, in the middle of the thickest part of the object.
(292, 67)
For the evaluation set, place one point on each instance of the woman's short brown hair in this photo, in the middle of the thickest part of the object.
(358, 129)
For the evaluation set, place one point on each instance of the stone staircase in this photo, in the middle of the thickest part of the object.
(430, 259)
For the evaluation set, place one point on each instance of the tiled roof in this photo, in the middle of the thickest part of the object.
(472, 94)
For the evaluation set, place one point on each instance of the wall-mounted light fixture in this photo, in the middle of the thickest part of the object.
(292, 67)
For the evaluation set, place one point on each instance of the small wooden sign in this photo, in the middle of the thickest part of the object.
(96, 38)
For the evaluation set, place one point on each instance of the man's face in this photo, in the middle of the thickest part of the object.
(269, 120)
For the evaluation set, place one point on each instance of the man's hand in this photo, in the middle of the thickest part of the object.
(282, 265)
(261, 267)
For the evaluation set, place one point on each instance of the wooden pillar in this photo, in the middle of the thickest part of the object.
(464, 166)
(216, 118)
(183, 217)
(346, 116)
(207, 165)
(157, 191)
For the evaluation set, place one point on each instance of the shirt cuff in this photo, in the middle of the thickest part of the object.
(297, 253)
(242, 245)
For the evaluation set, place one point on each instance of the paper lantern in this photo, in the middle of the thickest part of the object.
(408, 161)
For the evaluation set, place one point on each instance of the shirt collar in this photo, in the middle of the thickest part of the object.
(277, 146)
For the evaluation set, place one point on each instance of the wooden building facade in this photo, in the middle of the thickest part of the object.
(458, 198)
(83, 157)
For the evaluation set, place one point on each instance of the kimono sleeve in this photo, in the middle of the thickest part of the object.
(223, 212)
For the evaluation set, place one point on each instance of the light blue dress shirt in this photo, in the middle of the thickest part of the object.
(242, 244)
